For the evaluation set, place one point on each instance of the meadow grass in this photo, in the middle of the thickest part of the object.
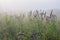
(16, 28)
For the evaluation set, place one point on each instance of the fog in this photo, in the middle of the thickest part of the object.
(17, 5)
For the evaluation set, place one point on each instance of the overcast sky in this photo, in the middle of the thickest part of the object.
(29, 4)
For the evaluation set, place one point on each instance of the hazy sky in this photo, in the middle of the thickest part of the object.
(29, 4)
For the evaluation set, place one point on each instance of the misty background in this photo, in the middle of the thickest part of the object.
(26, 5)
(14, 5)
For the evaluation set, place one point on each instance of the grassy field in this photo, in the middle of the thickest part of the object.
(28, 28)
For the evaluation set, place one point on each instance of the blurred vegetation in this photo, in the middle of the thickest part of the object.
(28, 28)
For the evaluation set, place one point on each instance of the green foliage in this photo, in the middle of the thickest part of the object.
(34, 29)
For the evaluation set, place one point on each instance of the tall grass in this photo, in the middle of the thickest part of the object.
(28, 28)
